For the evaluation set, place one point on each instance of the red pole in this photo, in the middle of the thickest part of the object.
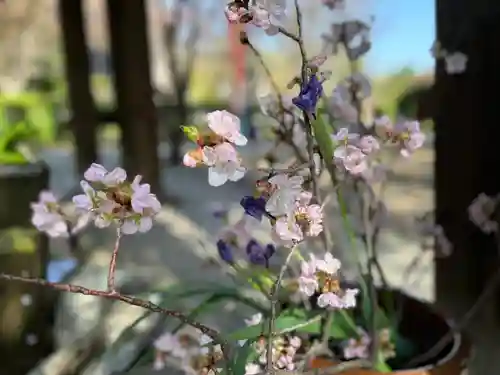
(237, 55)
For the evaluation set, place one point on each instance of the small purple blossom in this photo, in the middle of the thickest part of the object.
(309, 95)
(225, 251)
(255, 207)
(259, 255)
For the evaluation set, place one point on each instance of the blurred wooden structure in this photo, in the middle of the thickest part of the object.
(135, 110)
(467, 163)
(26, 311)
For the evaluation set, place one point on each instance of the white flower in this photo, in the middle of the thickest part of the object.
(455, 63)
(328, 264)
(97, 173)
(368, 144)
(223, 163)
(47, 216)
(286, 190)
(226, 125)
(252, 369)
(143, 201)
(254, 319)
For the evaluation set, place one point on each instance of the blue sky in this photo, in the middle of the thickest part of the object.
(403, 33)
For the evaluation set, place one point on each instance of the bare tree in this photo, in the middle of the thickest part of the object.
(21, 41)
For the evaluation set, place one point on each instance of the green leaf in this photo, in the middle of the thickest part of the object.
(381, 365)
(191, 132)
(322, 133)
(244, 355)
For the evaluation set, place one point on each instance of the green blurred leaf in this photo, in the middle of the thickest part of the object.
(181, 291)
(322, 132)
(245, 354)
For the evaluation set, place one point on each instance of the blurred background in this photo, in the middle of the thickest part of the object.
(112, 81)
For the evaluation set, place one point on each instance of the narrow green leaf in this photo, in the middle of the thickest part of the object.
(322, 133)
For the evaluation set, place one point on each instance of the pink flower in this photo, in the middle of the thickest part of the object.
(47, 216)
(288, 231)
(224, 164)
(308, 282)
(368, 144)
(330, 299)
(411, 137)
(97, 173)
(226, 125)
(358, 348)
(352, 158)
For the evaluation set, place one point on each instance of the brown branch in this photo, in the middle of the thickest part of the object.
(113, 295)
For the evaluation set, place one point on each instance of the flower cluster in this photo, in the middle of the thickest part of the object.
(194, 354)
(216, 148)
(360, 347)
(109, 198)
(321, 275)
(49, 217)
(356, 153)
(263, 14)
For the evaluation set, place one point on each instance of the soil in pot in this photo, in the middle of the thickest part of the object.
(420, 329)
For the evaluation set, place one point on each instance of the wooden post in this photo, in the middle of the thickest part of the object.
(26, 311)
(136, 111)
(467, 161)
(84, 117)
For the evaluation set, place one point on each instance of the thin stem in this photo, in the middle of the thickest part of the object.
(366, 199)
(274, 301)
(112, 262)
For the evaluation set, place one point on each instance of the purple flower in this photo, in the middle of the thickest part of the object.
(225, 251)
(255, 207)
(309, 95)
(259, 255)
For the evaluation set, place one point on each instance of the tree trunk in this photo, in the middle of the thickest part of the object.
(136, 111)
(83, 120)
(467, 159)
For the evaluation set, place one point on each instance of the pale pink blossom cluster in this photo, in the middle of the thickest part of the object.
(49, 217)
(296, 216)
(321, 275)
(195, 356)
(216, 149)
(360, 347)
(264, 14)
(284, 349)
(109, 198)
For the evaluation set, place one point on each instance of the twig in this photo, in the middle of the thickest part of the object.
(113, 295)
(274, 301)
(112, 262)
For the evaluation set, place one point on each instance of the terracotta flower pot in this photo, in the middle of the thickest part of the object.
(421, 324)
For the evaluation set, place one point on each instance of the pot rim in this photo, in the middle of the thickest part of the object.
(457, 343)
